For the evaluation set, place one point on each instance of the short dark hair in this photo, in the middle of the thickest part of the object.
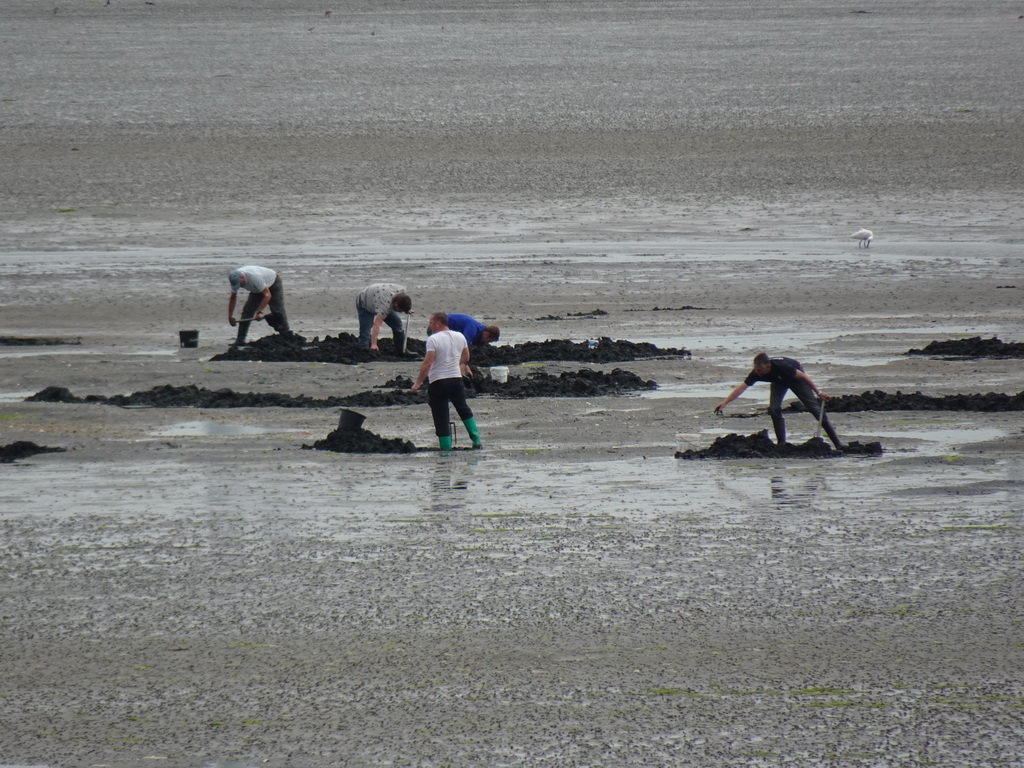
(440, 318)
(493, 332)
(402, 302)
(761, 358)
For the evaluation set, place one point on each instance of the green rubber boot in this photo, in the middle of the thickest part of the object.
(473, 432)
(445, 441)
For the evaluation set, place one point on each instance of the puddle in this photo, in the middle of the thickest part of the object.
(14, 397)
(215, 429)
(943, 440)
(110, 352)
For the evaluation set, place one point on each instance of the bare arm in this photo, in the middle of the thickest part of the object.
(428, 360)
(232, 299)
(375, 331)
(464, 363)
(732, 396)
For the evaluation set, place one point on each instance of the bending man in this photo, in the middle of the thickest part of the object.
(380, 303)
(476, 333)
(446, 359)
(265, 290)
(784, 373)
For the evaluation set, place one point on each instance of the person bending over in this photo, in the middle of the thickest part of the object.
(380, 303)
(476, 333)
(265, 290)
(784, 373)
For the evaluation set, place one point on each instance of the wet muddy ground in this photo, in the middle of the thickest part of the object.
(209, 571)
(192, 587)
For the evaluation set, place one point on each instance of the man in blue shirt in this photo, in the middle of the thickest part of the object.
(476, 333)
(784, 373)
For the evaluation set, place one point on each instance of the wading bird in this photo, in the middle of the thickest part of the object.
(864, 236)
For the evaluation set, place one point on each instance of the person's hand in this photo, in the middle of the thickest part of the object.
(374, 348)
(823, 396)
(719, 409)
(232, 322)
(258, 316)
(415, 387)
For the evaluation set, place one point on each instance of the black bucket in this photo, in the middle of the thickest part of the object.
(350, 421)
(188, 338)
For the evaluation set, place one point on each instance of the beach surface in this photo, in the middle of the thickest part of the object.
(191, 587)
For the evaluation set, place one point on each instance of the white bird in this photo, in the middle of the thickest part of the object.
(864, 236)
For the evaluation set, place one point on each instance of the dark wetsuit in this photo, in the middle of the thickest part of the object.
(782, 377)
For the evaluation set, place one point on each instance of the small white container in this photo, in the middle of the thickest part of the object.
(499, 373)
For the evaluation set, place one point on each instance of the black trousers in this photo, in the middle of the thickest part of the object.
(439, 394)
(806, 396)
(277, 319)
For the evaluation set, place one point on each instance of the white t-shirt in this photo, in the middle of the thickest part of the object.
(447, 347)
(257, 278)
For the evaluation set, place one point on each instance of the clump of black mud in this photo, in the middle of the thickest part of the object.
(34, 341)
(190, 396)
(583, 383)
(361, 441)
(344, 348)
(993, 402)
(972, 348)
(604, 351)
(760, 446)
(684, 308)
(22, 449)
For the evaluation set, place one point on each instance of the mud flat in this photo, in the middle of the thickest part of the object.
(190, 587)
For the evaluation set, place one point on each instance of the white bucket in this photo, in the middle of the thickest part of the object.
(499, 373)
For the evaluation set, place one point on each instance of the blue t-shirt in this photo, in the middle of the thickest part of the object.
(783, 372)
(472, 329)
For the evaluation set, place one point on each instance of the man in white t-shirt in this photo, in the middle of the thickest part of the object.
(446, 360)
(265, 290)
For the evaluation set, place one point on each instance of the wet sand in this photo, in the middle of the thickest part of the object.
(191, 587)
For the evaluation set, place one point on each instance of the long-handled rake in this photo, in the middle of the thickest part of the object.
(821, 416)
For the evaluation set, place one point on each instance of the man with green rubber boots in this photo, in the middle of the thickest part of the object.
(446, 360)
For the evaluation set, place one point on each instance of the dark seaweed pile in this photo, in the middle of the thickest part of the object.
(34, 341)
(993, 402)
(344, 349)
(760, 446)
(583, 383)
(22, 449)
(605, 351)
(189, 396)
(971, 348)
(361, 441)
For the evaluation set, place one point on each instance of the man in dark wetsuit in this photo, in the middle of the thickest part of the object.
(785, 373)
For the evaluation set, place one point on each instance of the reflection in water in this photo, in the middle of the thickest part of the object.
(790, 493)
(447, 485)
